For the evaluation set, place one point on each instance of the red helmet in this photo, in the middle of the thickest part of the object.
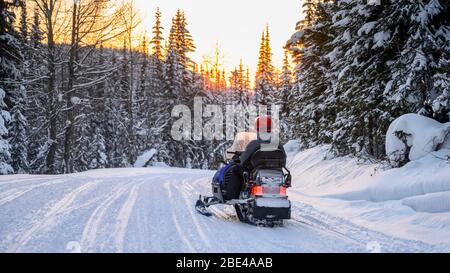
(263, 124)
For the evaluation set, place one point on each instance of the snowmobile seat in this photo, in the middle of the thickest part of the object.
(274, 159)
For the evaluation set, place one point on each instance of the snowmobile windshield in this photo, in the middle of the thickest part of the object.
(241, 140)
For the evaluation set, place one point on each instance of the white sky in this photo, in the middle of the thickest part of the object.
(235, 24)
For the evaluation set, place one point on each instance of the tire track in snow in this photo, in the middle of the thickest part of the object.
(358, 235)
(49, 218)
(199, 187)
(175, 217)
(124, 216)
(186, 191)
(90, 230)
(14, 193)
(3, 181)
(140, 234)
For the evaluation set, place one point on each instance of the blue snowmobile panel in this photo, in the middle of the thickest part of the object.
(219, 177)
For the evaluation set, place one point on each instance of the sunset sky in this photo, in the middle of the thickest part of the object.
(235, 24)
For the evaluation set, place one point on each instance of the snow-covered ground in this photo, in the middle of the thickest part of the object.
(412, 202)
(338, 206)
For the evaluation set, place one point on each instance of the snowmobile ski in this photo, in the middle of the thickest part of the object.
(202, 208)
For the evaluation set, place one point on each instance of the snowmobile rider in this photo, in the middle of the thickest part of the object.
(263, 126)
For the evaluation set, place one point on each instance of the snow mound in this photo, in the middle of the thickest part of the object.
(315, 172)
(412, 136)
(292, 147)
(433, 202)
(411, 201)
(160, 164)
(429, 174)
(144, 159)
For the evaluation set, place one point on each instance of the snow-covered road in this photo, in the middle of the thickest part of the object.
(151, 210)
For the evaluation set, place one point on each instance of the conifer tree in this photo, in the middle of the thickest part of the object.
(359, 66)
(10, 61)
(157, 53)
(285, 85)
(265, 82)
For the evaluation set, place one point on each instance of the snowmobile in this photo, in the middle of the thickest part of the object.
(259, 196)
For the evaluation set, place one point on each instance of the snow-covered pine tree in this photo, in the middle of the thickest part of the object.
(309, 7)
(242, 84)
(173, 73)
(259, 69)
(18, 125)
(155, 93)
(36, 34)
(171, 92)
(441, 77)
(97, 151)
(186, 46)
(97, 117)
(283, 96)
(18, 132)
(308, 46)
(156, 75)
(358, 78)
(142, 96)
(5, 155)
(387, 71)
(285, 85)
(11, 92)
(36, 109)
(441, 105)
(157, 39)
(178, 88)
(143, 86)
(237, 83)
(420, 73)
(180, 44)
(23, 21)
(357, 66)
(265, 74)
(234, 83)
(113, 113)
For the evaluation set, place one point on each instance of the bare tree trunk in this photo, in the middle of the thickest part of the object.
(47, 8)
(130, 25)
(131, 150)
(68, 160)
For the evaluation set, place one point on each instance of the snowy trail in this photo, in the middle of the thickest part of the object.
(151, 210)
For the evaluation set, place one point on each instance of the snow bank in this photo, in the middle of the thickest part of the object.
(347, 178)
(433, 202)
(410, 202)
(143, 160)
(160, 164)
(430, 174)
(315, 172)
(413, 136)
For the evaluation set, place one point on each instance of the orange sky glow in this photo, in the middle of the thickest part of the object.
(236, 25)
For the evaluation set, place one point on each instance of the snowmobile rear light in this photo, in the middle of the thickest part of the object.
(257, 190)
(282, 190)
